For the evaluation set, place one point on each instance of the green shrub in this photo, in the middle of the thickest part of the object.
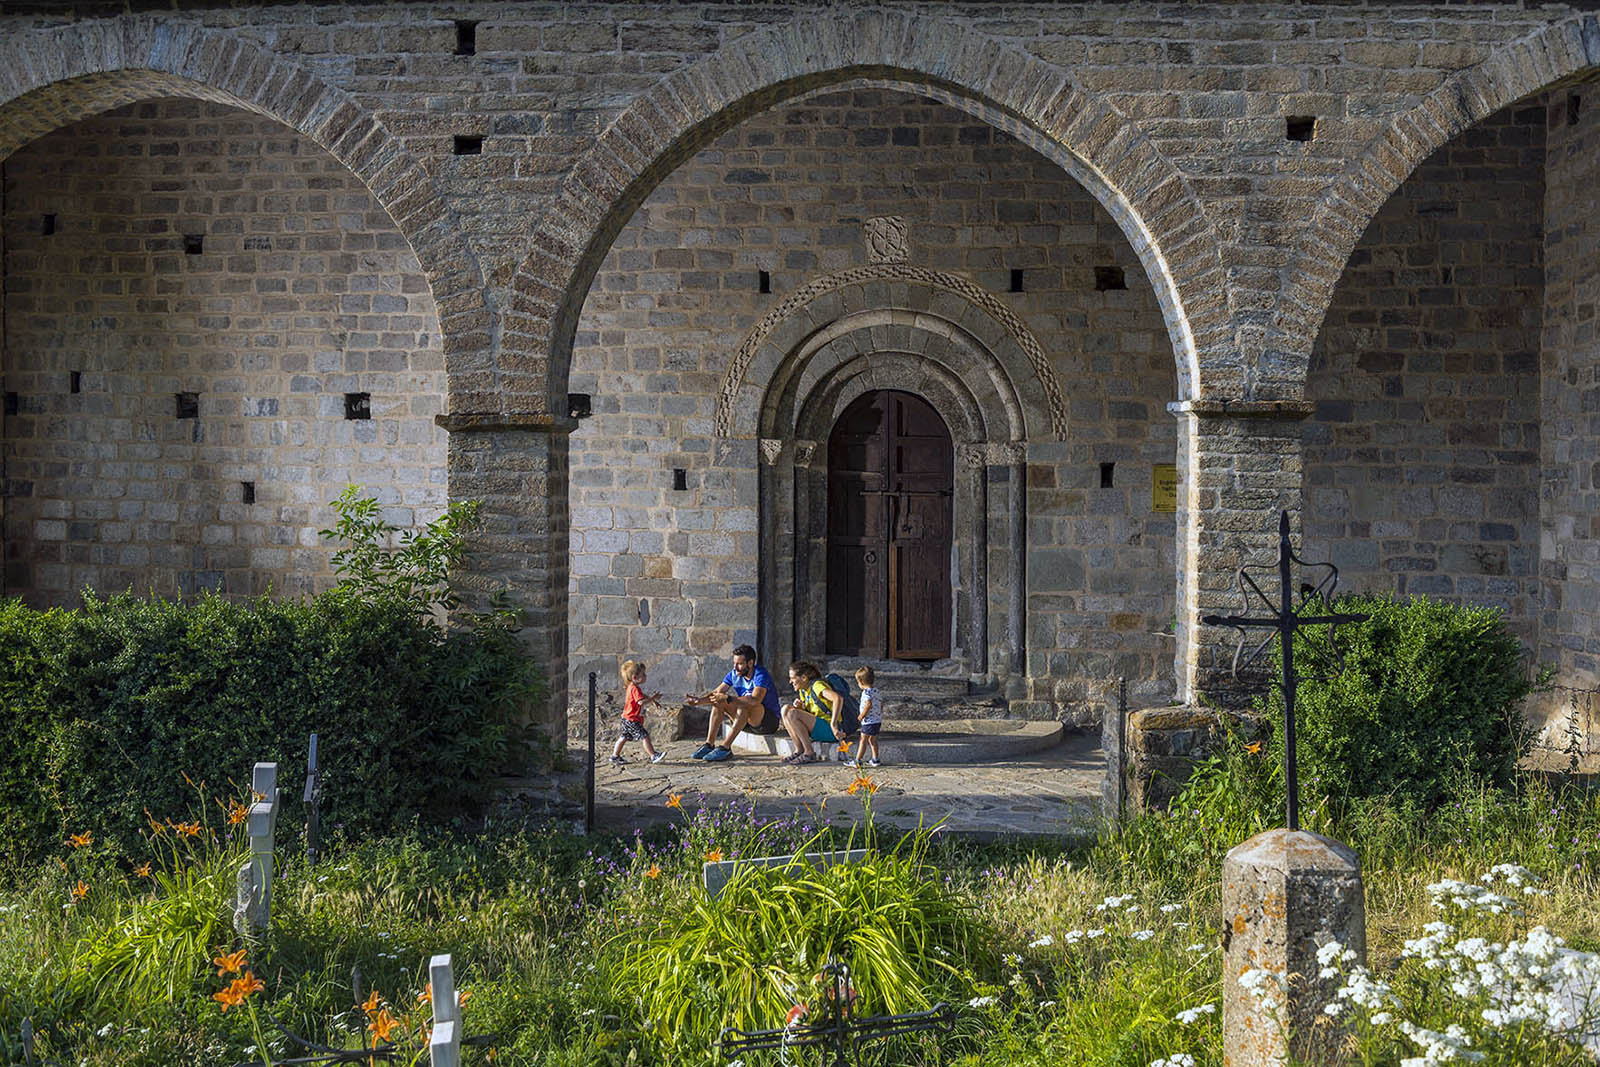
(112, 708)
(1428, 695)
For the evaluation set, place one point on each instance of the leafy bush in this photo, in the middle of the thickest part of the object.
(112, 705)
(1428, 695)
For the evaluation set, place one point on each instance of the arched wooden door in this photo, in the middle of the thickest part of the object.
(890, 475)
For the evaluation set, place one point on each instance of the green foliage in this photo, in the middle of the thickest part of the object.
(747, 957)
(384, 562)
(1429, 694)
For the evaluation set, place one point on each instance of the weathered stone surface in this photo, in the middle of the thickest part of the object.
(1285, 893)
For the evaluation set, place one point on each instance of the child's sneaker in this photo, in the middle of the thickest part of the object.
(658, 757)
(618, 761)
(873, 763)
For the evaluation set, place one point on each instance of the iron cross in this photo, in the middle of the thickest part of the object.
(1284, 622)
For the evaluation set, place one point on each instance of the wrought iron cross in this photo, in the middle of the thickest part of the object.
(1283, 623)
(313, 802)
(837, 1028)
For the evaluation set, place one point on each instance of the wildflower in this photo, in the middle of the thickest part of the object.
(187, 829)
(370, 1005)
(228, 998)
(675, 800)
(866, 785)
(844, 748)
(714, 856)
(796, 1013)
(1044, 942)
(81, 840)
(1254, 748)
(229, 963)
(1177, 1059)
(80, 890)
(143, 870)
(1168, 909)
(981, 1002)
(383, 1024)
(654, 871)
(237, 813)
(1142, 935)
(1190, 1015)
(1196, 947)
(238, 991)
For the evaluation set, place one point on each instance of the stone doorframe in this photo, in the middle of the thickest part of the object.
(974, 363)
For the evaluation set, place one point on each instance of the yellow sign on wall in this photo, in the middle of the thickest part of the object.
(1163, 487)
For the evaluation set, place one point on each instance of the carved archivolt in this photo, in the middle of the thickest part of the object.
(979, 297)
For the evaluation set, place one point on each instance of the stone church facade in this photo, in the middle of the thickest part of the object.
(982, 339)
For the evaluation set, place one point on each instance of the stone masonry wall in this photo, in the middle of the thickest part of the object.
(670, 576)
(1422, 458)
(302, 290)
(1569, 635)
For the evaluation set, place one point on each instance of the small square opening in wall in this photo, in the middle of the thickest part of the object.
(680, 479)
(1107, 475)
(247, 492)
(188, 405)
(1574, 104)
(1107, 279)
(1016, 281)
(466, 37)
(47, 225)
(358, 405)
(194, 244)
(13, 404)
(1300, 127)
(468, 144)
(75, 382)
(763, 281)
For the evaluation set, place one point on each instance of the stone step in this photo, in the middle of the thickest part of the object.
(951, 741)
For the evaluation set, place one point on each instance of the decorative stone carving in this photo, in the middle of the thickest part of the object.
(803, 451)
(985, 301)
(1004, 452)
(886, 239)
(771, 449)
(975, 456)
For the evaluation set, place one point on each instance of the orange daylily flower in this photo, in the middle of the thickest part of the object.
(187, 829)
(80, 890)
(383, 1024)
(239, 990)
(714, 856)
(81, 840)
(229, 963)
(1254, 748)
(370, 1005)
(844, 748)
(228, 998)
(462, 996)
(675, 801)
(426, 996)
(860, 785)
(237, 813)
(248, 984)
(796, 1013)
(654, 871)
(143, 870)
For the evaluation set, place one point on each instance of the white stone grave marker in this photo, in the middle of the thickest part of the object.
(444, 1047)
(253, 908)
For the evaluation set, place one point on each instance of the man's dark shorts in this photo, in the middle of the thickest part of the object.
(770, 723)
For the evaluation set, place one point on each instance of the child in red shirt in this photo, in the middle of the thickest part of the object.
(633, 675)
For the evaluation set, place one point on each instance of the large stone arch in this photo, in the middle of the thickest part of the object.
(1150, 201)
(1512, 72)
(52, 77)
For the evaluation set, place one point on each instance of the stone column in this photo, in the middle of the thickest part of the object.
(516, 466)
(1239, 463)
(1285, 893)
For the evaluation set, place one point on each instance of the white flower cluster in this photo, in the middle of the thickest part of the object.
(1452, 1046)
(1117, 903)
(1190, 1015)
(1072, 937)
(1469, 896)
(1265, 986)
(1177, 1059)
(1044, 942)
(1517, 878)
(1520, 981)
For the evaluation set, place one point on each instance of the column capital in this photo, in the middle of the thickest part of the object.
(1227, 407)
(493, 421)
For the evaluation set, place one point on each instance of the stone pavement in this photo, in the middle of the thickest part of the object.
(1055, 792)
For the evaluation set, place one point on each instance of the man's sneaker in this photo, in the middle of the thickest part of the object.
(658, 757)
(618, 761)
(718, 754)
(702, 752)
(873, 763)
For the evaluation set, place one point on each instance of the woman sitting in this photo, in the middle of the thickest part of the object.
(814, 714)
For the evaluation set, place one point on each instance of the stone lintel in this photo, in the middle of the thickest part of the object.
(493, 421)
(1224, 407)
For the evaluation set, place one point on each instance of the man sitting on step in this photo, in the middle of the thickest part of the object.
(747, 699)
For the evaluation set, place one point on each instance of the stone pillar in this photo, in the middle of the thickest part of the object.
(516, 466)
(1285, 893)
(1239, 463)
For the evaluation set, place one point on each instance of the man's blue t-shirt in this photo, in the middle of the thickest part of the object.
(758, 678)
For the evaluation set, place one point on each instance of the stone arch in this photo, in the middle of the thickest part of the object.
(1151, 202)
(52, 77)
(1512, 72)
(923, 304)
(969, 388)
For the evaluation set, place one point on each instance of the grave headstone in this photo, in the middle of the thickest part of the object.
(718, 873)
(253, 904)
(444, 1046)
